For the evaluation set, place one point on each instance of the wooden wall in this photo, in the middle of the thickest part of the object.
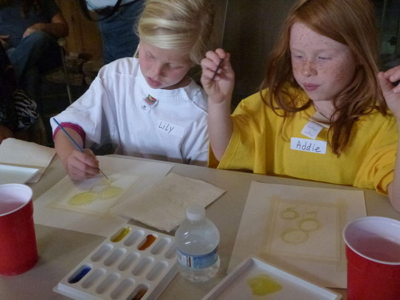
(251, 28)
(83, 36)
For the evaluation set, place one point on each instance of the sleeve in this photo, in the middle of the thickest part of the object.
(239, 155)
(93, 113)
(377, 169)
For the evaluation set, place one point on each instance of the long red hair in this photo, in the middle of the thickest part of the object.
(350, 22)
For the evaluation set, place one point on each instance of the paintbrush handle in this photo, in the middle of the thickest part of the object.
(218, 67)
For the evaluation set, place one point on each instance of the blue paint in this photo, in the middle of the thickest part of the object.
(79, 274)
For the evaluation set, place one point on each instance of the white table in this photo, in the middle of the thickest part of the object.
(61, 250)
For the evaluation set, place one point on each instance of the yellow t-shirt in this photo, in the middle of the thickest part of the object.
(259, 146)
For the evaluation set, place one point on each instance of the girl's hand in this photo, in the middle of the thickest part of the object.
(391, 92)
(220, 88)
(82, 165)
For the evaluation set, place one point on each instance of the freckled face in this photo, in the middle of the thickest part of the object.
(320, 65)
(162, 68)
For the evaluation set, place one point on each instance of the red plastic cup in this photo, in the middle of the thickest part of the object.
(373, 258)
(18, 250)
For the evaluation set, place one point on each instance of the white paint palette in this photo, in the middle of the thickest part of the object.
(255, 279)
(133, 264)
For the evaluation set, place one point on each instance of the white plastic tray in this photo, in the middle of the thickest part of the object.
(15, 174)
(255, 279)
(119, 269)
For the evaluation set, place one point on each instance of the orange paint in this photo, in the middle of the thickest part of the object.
(147, 243)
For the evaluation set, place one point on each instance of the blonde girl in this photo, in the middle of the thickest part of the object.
(146, 106)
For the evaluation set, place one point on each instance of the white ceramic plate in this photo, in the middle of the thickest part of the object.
(14, 174)
(255, 279)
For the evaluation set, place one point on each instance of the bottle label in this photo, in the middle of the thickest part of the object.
(198, 261)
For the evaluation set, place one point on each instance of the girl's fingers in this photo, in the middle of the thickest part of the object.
(213, 63)
(392, 74)
(83, 164)
(385, 84)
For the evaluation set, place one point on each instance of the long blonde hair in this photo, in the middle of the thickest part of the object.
(350, 22)
(183, 25)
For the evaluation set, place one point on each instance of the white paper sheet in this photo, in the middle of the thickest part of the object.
(26, 154)
(299, 229)
(132, 176)
(163, 206)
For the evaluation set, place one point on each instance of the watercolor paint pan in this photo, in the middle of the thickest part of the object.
(255, 279)
(133, 264)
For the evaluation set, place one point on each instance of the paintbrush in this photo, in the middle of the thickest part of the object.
(75, 143)
(216, 70)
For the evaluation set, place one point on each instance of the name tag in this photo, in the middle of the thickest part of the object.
(312, 130)
(170, 128)
(308, 145)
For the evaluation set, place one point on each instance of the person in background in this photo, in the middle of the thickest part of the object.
(322, 112)
(29, 30)
(146, 106)
(117, 28)
(17, 110)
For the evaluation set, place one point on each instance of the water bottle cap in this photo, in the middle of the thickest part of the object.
(195, 213)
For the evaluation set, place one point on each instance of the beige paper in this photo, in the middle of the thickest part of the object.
(164, 205)
(50, 207)
(298, 229)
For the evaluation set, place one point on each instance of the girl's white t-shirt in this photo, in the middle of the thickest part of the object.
(122, 111)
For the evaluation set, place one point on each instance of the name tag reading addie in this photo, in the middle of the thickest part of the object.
(308, 145)
(170, 128)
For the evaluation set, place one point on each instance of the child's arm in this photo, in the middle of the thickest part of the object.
(392, 97)
(219, 93)
(79, 165)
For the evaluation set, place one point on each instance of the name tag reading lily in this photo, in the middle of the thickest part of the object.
(308, 145)
(170, 128)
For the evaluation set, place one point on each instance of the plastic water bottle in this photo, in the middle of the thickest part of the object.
(197, 240)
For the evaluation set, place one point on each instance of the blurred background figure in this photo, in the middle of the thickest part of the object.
(17, 110)
(29, 30)
(117, 21)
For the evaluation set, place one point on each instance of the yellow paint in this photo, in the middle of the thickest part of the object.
(289, 213)
(262, 285)
(294, 236)
(102, 190)
(309, 224)
(123, 233)
(110, 192)
(82, 199)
